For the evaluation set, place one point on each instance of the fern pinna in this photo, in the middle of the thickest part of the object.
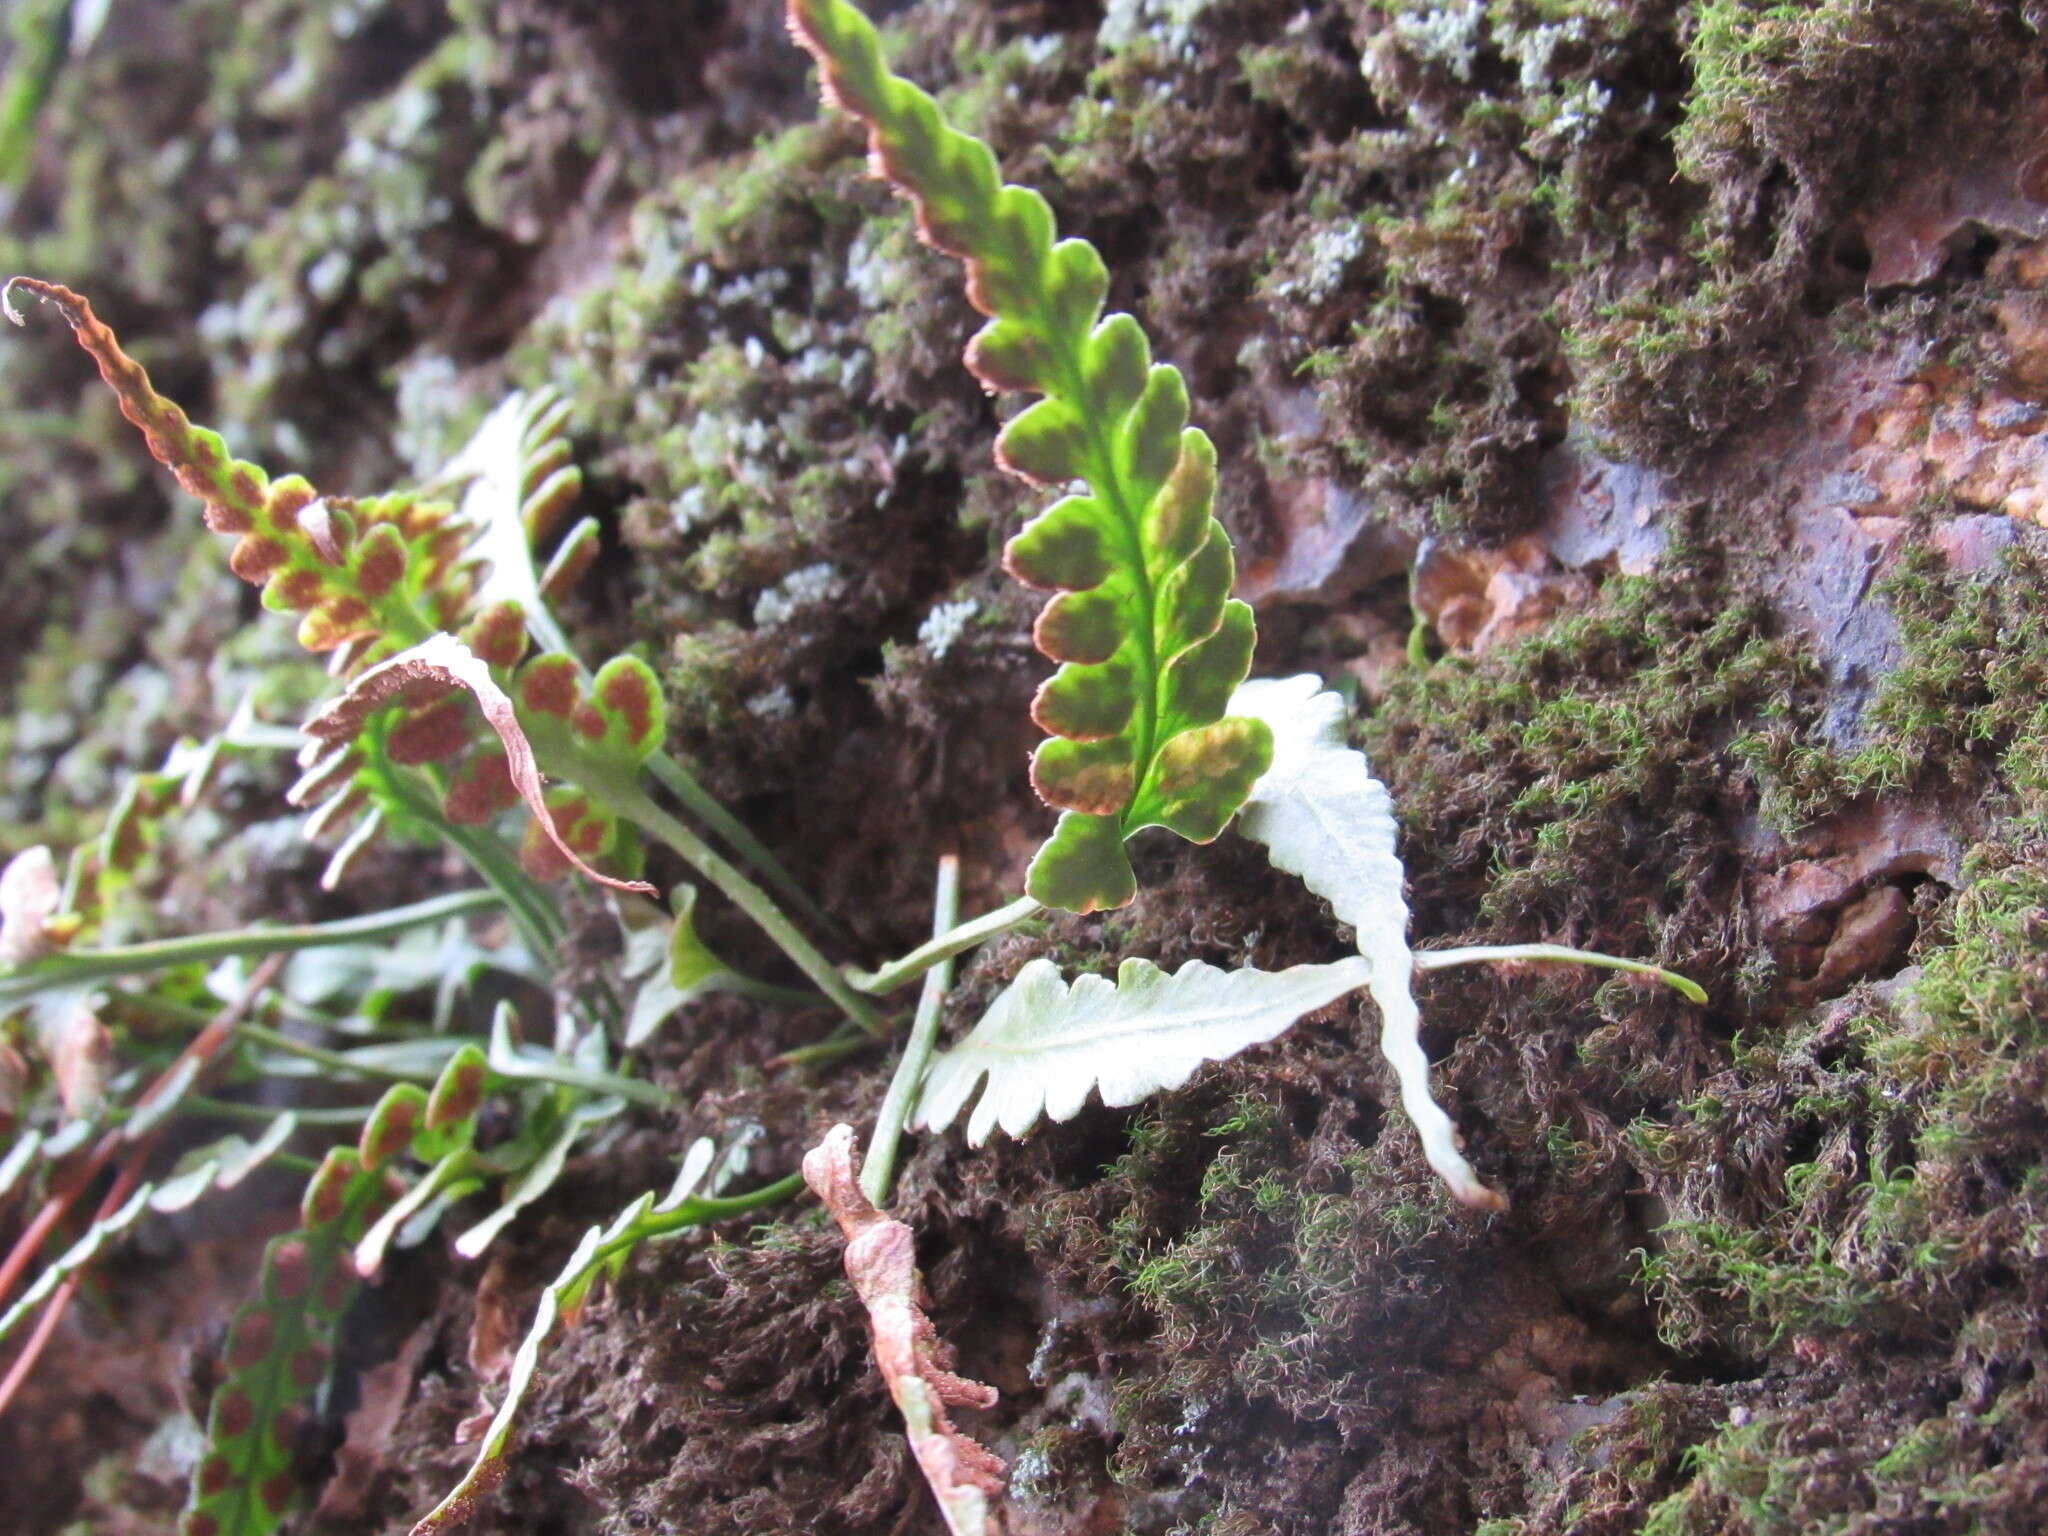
(1150, 642)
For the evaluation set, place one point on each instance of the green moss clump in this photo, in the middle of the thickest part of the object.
(1793, 116)
(1961, 715)
(1575, 779)
(1882, 1171)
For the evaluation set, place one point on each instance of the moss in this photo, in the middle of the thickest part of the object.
(1959, 714)
(1718, 334)
(1925, 1178)
(1590, 746)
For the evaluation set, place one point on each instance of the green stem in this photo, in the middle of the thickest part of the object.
(695, 798)
(336, 1060)
(632, 802)
(67, 970)
(508, 1059)
(878, 1173)
(1440, 959)
(229, 1109)
(944, 947)
(540, 926)
(699, 802)
(632, 1089)
(843, 1042)
(702, 1208)
(532, 909)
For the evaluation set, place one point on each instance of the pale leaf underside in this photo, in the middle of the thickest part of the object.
(1323, 816)
(1043, 1044)
(441, 665)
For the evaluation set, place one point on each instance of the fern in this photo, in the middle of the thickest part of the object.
(1149, 640)
(601, 1254)
(221, 1165)
(605, 728)
(278, 1353)
(376, 573)
(391, 585)
(1044, 1045)
(277, 1346)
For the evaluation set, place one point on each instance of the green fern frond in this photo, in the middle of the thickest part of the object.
(278, 1353)
(353, 571)
(1149, 640)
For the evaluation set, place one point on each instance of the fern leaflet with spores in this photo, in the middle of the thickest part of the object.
(278, 1352)
(1150, 642)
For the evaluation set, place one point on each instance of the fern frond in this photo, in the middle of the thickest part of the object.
(278, 1353)
(348, 569)
(1149, 640)
(75, 1258)
(603, 1252)
(1044, 1045)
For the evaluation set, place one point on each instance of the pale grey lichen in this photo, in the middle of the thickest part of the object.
(1580, 111)
(1327, 256)
(800, 589)
(431, 405)
(944, 625)
(1533, 48)
(691, 508)
(1170, 23)
(1446, 34)
(328, 276)
(775, 704)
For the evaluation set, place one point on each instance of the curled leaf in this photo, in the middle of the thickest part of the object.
(435, 667)
(881, 1261)
(1323, 816)
(316, 558)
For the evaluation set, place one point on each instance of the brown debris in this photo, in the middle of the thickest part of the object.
(1872, 934)
(29, 896)
(80, 1052)
(369, 1427)
(499, 1323)
(881, 1261)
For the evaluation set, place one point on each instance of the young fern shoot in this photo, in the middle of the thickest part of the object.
(1150, 642)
